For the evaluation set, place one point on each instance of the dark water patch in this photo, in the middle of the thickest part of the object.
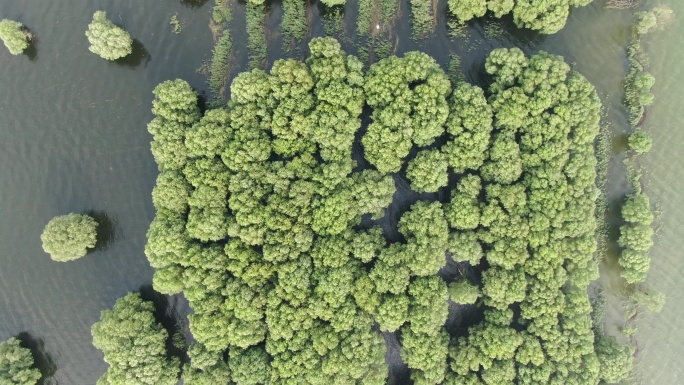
(194, 3)
(32, 51)
(167, 313)
(107, 231)
(399, 373)
(138, 56)
(41, 357)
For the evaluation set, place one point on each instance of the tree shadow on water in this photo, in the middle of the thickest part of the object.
(137, 57)
(42, 359)
(106, 230)
(165, 314)
(193, 3)
(31, 52)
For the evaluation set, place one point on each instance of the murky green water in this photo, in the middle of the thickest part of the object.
(73, 138)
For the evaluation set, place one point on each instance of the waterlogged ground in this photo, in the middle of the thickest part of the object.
(73, 138)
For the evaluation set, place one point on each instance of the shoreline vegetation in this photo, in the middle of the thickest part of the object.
(636, 233)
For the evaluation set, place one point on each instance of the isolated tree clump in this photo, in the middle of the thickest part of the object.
(16, 364)
(68, 237)
(14, 35)
(547, 17)
(636, 237)
(106, 39)
(134, 345)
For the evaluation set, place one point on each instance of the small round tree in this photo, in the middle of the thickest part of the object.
(14, 35)
(16, 364)
(68, 237)
(106, 39)
(640, 142)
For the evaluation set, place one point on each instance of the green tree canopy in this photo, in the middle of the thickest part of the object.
(134, 345)
(14, 35)
(16, 364)
(68, 237)
(106, 39)
(640, 142)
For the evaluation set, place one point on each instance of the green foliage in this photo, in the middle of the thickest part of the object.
(283, 275)
(219, 70)
(16, 364)
(651, 299)
(14, 35)
(428, 171)
(332, 3)
(636, 237)
(640, 142)
(465, 10)
(464, 292)
(535, 224)
(294, 24)
(423, 17)
(134, 345)
(615, 359)
(469, 126)
(106, 39)
(547, 17)
(68, 237)
(171, 192)
(256, 33)
(404, 115)
(205, 367)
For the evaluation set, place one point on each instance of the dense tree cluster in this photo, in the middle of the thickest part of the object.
(259, 208)
(68, 237)
(535, 222)
(636, 237)
(106, 39)
(14, 35)
(547, 16)
(134, 345)
(408, 97)
(16, 364)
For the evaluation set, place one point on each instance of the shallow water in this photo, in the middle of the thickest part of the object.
(73, 138)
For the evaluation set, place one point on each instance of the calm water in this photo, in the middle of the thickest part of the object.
(73, 139)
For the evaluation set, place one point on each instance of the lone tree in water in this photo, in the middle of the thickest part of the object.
(68, 237)
(106, 39)
(15, 36)
(16, 364)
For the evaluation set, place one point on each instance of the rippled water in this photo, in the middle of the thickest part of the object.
(73, 139)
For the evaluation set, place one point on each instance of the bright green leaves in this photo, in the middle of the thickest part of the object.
(106, 39)
(469, 126)
(615, 359)
(284, 275)
(15, 36)
(465, 10)
(640, 142)
(428, 171)
(464, 292)
(16, 364)
(636, 237)
(68, 237)
(408, 97)
(134, 345)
